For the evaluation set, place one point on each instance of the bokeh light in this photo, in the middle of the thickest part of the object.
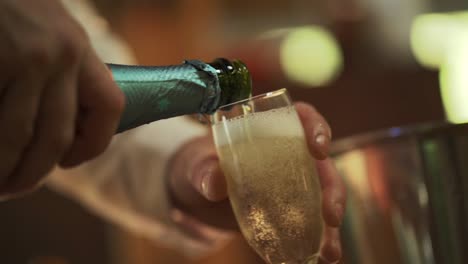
(440, 41)
(430, 36)
(454, 79)
(310, 55)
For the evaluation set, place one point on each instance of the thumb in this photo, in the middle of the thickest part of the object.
(197, 184)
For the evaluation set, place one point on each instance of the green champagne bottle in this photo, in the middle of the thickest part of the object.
(158, 92)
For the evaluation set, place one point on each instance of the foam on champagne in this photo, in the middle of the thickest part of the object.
(277, 122)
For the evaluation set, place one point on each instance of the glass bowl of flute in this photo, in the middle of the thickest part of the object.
(272, 181)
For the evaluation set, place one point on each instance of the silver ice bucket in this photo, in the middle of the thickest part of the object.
(407, 195)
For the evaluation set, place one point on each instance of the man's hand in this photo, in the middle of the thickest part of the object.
(198, 186)
(58, 102)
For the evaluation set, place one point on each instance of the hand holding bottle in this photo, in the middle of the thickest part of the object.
(50, 73)
(198, 186)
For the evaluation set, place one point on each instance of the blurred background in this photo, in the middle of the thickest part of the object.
(365, 64)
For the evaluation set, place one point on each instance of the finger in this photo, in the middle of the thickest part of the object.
(198, 186)
(101, 103)
(54, 133)
(333, 193)
(330, 251)
(316, 129)
(18, 111)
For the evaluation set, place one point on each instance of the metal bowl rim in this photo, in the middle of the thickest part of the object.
(416, 131)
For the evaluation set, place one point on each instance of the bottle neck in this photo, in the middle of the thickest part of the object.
(154, 93)
(234, 79)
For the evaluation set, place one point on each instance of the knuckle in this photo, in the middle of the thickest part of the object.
(81, 33)
(72, 44)
(36, 54)
(60, 143)
(70, 50)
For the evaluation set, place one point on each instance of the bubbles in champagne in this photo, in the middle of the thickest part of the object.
(272, 184)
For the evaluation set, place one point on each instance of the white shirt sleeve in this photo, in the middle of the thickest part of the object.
(127, 184)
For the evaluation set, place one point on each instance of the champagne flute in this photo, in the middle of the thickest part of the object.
(271, 177)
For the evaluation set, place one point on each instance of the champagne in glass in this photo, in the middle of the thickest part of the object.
(272, 181)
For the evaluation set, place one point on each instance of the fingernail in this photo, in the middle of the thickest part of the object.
(322, 136)
(321, 140)
(204, 185)
(339, 211)
(205, 174)
(323, 144)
